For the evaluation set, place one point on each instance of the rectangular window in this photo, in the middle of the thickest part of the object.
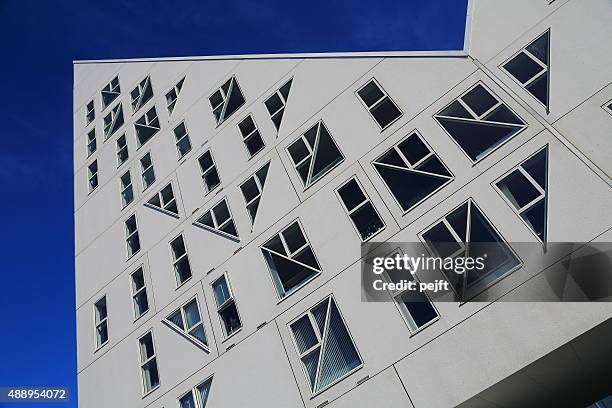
(173, 94)
(219, 219)
(127, 192)
(324, 345)
(110, 92)
(122, 150)
(131, 236)
(91, 142)
(140, 300)
(183, 144)
(210, 176)
(277, 102)
(196, 398)
(147, 171)
(290, 259)
(252, 189)
(92, 175)
(91, 113)
(148, 363)
(180, 260)
(164, 200)
(250, 136)
(226, 100)
(101, 322)
(188, 320)
(147, 126)
(379, 104)
(226, 306)
(113, 120)
(141, 94)
(360, 210)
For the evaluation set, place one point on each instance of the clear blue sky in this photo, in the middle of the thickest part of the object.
(40, 38)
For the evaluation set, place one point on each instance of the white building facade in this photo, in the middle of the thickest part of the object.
(221, 203)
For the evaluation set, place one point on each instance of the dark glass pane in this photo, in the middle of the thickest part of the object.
(212, 179)
(413, 149)
(304, 334)
(183, 270)
(523, 68)
(230, 229)
(288, 273)
(249, 189)
(419, 307)
(393, 158)
(274, 103)
(327, 154)
(518, 189)
(351, 194)
(458, 220)
(504, 115)
(479, 99)
(234, 102)
(246, 126)
(254, 144)
(284, 90)
(456, 110)
(536, 167)
(370, 93)
(298, 151)
(367, 221)
(435, 166)
(294, 237)
(535, 217)
(440, 239)
(539, 48)
(386, 112)
(539, 89)
(221, 212)
(230, 318)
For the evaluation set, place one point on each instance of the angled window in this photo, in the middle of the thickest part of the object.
(113, 120)
(219, 219)
(110, 92)
(140, 301)
(252, 189)
(608, 106)
(250, 136)
(127, 192)
(290, 258)
(188, 320)
(360, 210)
(226, 100)
(173, 94)
(379, 104)
(324, 345)
(466, 232)
(141, 94)
(91, 113)
(197, 397)
(122, 150)
(132, 239)
(479, 122)
(277, 102)
(91, 142)
(147, 171)
(148, 363)
(526, 189)
(164, 200)
(101, 322)
(92, 175)
(210, 176)
(180, 260)
(530, 67)
(314, 154)
(226, 306)
(147, 126)
(183, 144)
(412, 171)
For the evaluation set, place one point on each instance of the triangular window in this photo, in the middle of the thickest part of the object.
(141, 94)
(479, 122)
(147, 126)
(110, 92)
(173, 94)
(188, 321)
(226, 100)
(113, 121)
(219, 219)
(252, 190)
(165, 200)
(412, 171)
(197, 397)
(277, 102)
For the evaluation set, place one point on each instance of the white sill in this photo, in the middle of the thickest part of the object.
(231, 335)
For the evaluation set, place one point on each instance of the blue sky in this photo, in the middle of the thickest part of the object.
(39, 41)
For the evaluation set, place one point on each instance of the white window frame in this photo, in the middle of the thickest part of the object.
(90, 114)
(231, 299)
(124, 188)
(358, 207)
(112, 89)
(195, 393)
(225, 100)
(186, 332)
(120, 149)
(165, 204)
(147, 123)
(217, 226)
(378, 103)
(251, 135)
(137, 292)
(98, 345)
(171, 103)
(280, 110)
(92, 143)
(260, 188)
(142, 363)
(113, 114)
(91, 175)
(129, 236)
(176, 261)
(178, 140)
(204, 173)
(137, 102)
(607, 107)
(144, 170)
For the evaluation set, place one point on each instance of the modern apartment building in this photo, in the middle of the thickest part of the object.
(221, 204)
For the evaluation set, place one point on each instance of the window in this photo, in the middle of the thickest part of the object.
(113, 121)
(164, 200)
(183, 144)
(91, 113)
(467, 232)
(147, 171)
(180, 260)
(314, 154)
(147, 126)
(92, 175)
(210, 177)
(148, 363)
(197, 397)
(479, 122)
(277, 102)
(131, 236)
(530, 67)
(173, 94)
(141, 94)
(525, 188)
(412, 171)
(91, 142)
(290, 258)
(608, 106)
(252, 190)
(250, 136)
(324, 345)
(219, 219)
(188, 321)
(110, 92)
(101, 321)
(226, 100)
(360, 210)
(226, 307)
(379, 104)
(122, 150)
(140, 300)
(127, 192)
